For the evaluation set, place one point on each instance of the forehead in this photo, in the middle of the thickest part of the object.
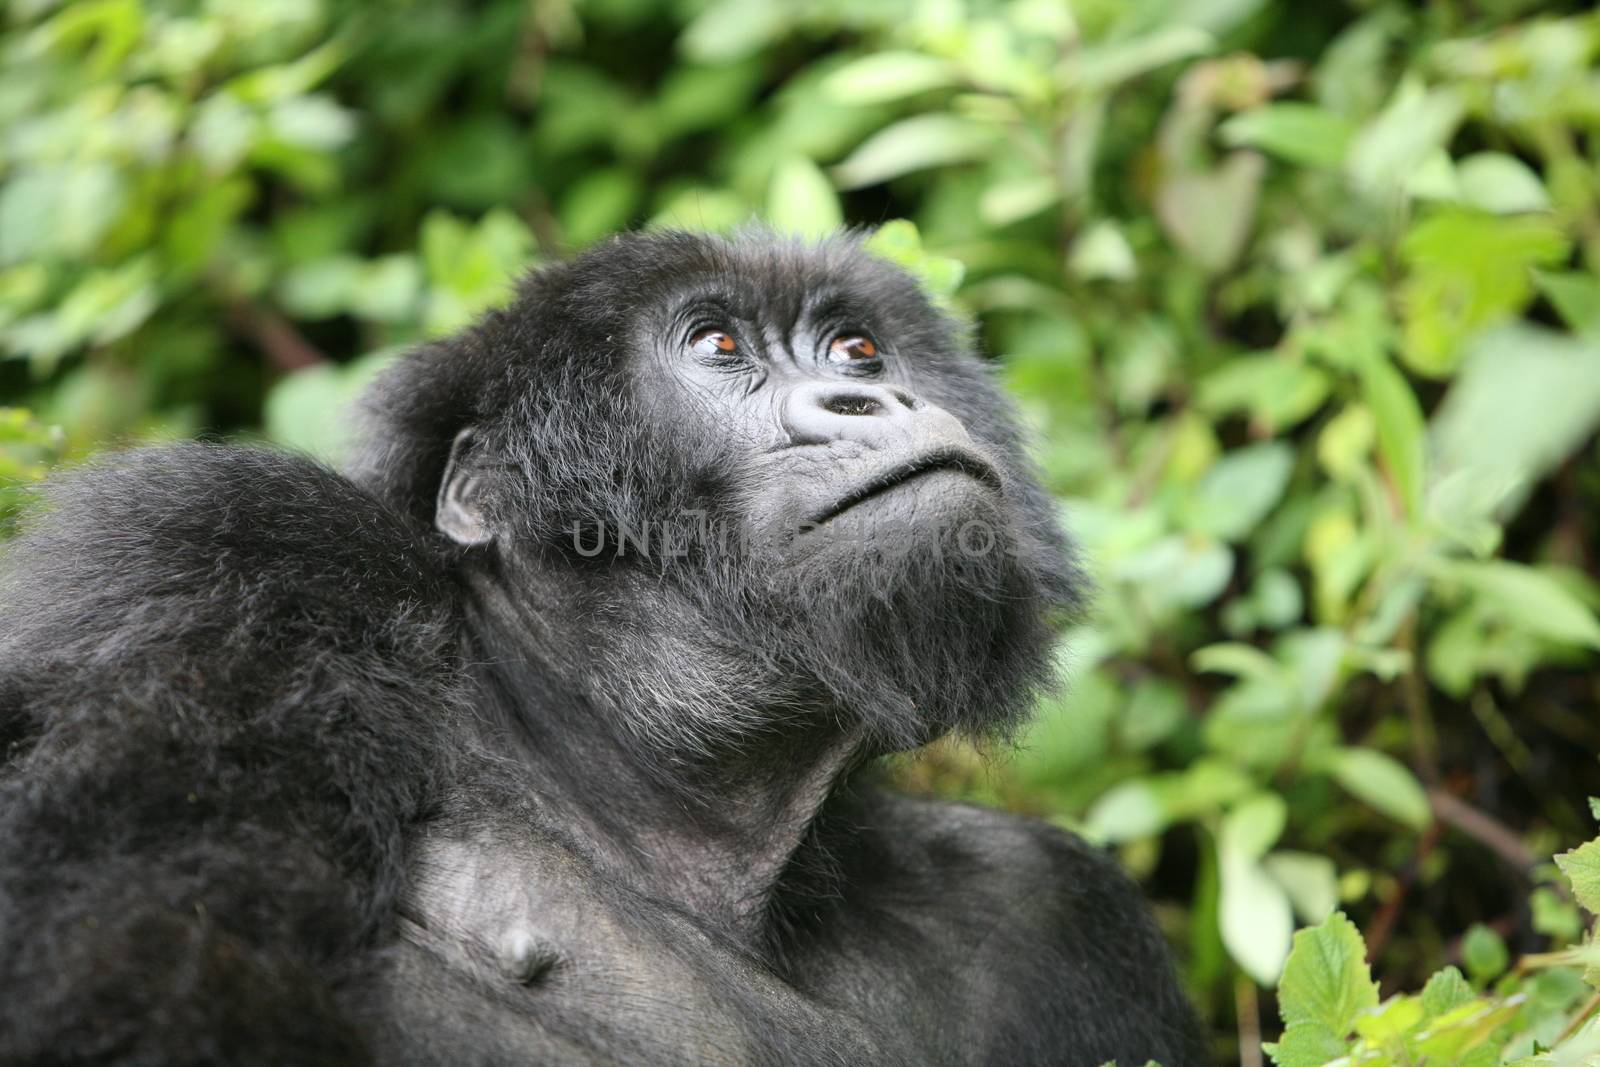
(766, 278)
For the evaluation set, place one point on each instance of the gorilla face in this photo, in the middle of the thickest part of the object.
(776, 476)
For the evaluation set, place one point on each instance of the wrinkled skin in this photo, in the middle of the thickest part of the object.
(546, 734)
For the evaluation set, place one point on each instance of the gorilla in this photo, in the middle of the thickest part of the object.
(546, 733)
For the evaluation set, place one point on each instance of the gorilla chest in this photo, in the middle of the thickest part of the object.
(516, 952)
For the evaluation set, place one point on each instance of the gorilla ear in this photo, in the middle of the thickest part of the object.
(459, 513)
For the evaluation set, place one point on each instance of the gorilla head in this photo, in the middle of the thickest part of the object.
(762, 485)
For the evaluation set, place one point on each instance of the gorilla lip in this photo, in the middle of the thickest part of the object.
(944, 459)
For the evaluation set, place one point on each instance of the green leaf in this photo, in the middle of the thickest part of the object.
(1300, 133)
(1500, 183)
(1384, 153)
(1582, 868)
(886, 76)
(1108, 64)
(1306, 1044)
(1311, 881)
(1398, 416)
(1382, 782)
(733, 29)
(801, 199)
(916, 143)
(1101, 251)
(1253, 826)
(1484, 952)
(1446, 991)
(1239, 491)
(1326, 980)
(1529, 598)
(1254, 918)
(899, 242)
(1576, 297)
(1468, 270)
(1524, 400)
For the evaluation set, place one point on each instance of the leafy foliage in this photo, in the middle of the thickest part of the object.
(1303, 298)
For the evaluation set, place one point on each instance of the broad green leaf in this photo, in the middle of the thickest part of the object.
(1306, 1044)
(1576, 297)
(1345, 441)
(1300, 133)
(1382, 782)
(1582, 868)
(1383, 154)
(913, 144)
(1524, 400)
(1237, 659)
(1484, 952)
(1500, 183)
(309, 410)
(1239, 491)
(886, 76)
(1390, 1021)
(1446, 991)
(1529, 598)
(1468, 270)
(1326, 980)
(899, 242)
(801, 199)
(732, 29)
(1101, 251)
(1011, 201)
(1311, 881)
(1254, 918)
(1108, 64)
(1252, 826)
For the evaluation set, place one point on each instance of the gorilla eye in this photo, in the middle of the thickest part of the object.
(851, 348)
(713, 342)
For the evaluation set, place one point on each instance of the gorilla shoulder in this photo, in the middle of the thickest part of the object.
(227, 556)
(1002, 916)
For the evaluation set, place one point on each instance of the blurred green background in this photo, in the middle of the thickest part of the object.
(1303, 298)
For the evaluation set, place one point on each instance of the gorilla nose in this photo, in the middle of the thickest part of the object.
(820, 413)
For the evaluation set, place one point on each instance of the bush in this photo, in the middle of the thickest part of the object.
(1304, 299)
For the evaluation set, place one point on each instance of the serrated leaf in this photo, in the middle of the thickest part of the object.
(1326, 980)
(1582, 868)
(1446, 991)
(1306, 1044)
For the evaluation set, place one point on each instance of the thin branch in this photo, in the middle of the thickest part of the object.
(1483, 828)
(283, 345)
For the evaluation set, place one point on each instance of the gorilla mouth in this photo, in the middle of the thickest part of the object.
(946, 459)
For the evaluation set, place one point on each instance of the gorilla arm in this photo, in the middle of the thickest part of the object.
(223, 685)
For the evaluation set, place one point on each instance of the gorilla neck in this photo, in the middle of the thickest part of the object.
(612, 726)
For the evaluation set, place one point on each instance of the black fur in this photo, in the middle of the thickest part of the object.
(291, 776)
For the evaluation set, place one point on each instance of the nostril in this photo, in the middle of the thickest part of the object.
(847, 404)
(905, 398)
